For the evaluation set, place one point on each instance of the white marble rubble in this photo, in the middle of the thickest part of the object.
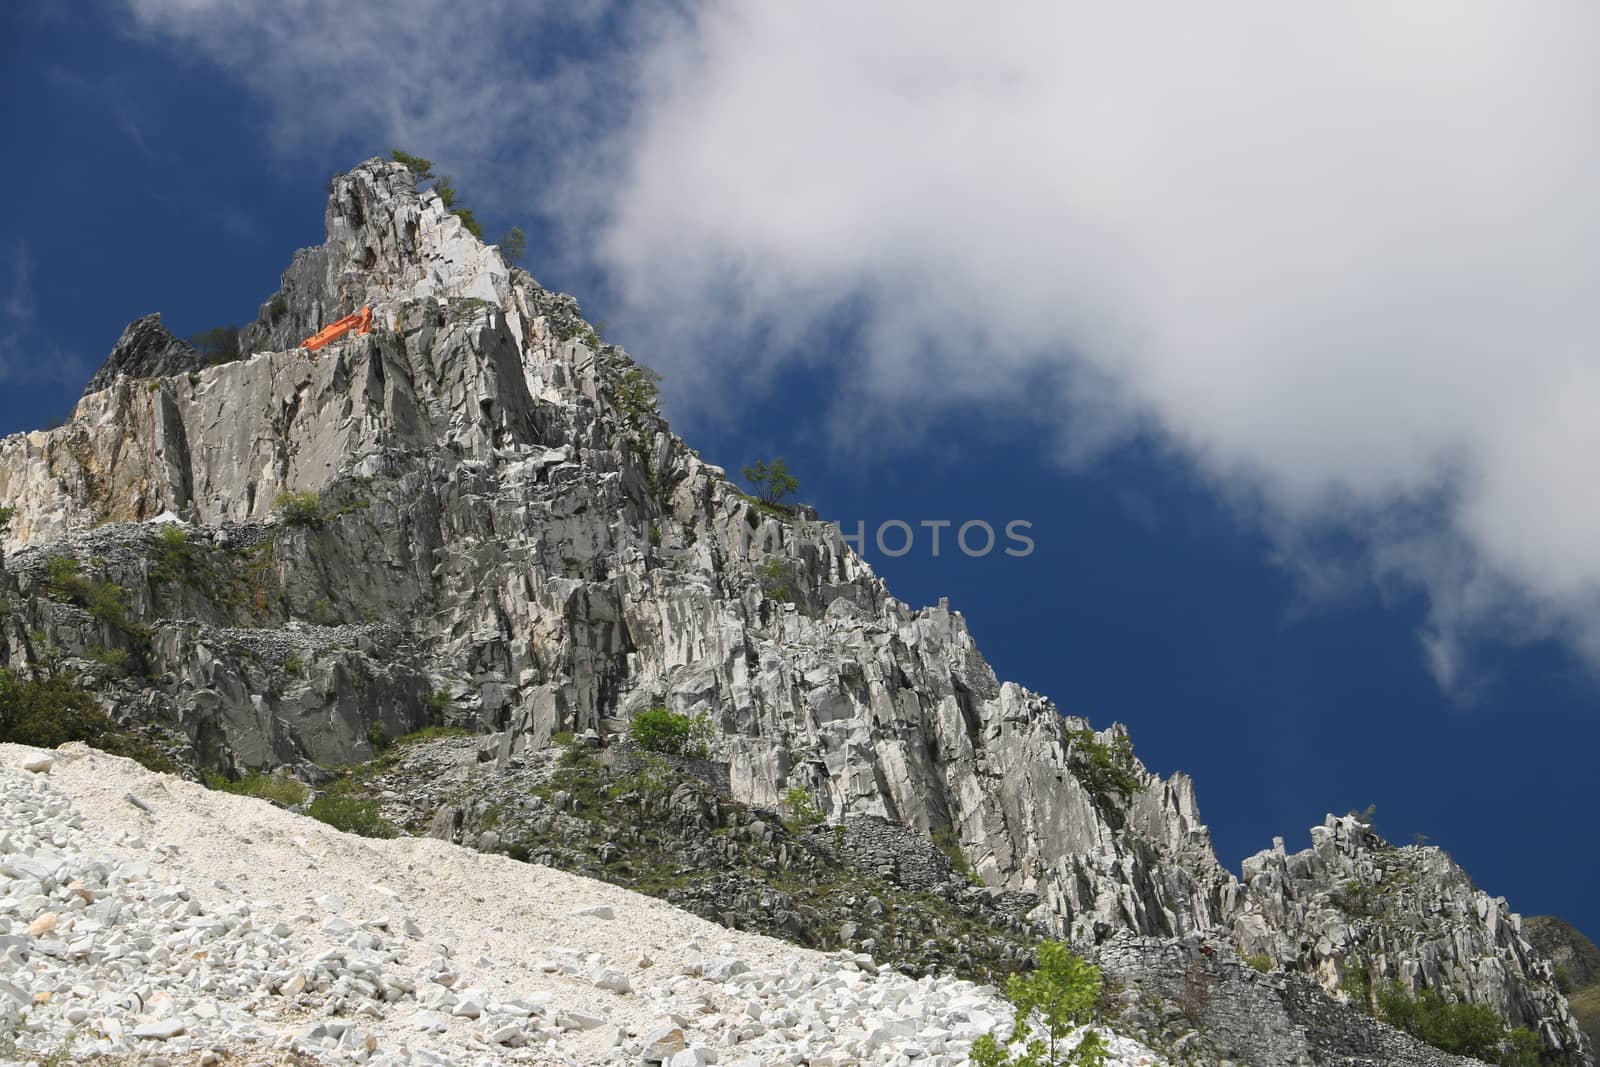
(108, 946)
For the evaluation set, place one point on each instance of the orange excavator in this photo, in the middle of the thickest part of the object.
(360, 322)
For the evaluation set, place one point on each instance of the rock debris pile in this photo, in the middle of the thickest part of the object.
(141, 915)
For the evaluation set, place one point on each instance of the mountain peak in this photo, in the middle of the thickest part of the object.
(146, 349)
(387, 242)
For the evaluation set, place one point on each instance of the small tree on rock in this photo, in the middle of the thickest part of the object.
(220, 344)
(1056, 999)
(421, 169)
(514, 245)
(772, 480)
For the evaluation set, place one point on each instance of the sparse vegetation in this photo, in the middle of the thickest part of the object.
(638, 394)
(1053, 1001)
(514, 245)
(439, 699)
(1367, 816)
(378, 738)
(115, 658)
(1106, 769)
(220, 344)
(1357, 898)
(422, 171)
(175, 556)
(431, 733)
(799, 809)
(1260, 961)
(299, 508)
(8, 514)
(352, 815)
(949, 842)
(280, 789)
(651, 779)
(105, 601)
(1357, 984)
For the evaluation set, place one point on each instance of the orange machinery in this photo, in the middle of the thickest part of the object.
(360, 322)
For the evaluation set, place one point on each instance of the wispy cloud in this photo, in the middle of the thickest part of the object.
(491, 95)
(28, 353)
(1344, 261)
(19, 301)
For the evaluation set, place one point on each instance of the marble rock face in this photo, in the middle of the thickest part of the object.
(508, 535)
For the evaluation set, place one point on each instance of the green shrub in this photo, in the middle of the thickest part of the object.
(175, 556)
(302, 508)
(773, 584)
(1057, 998)
(430, 733)
(946, 840)
(651, 780)
(439, 699)
(421, 169)
(1260, 961)
(378, 737)
(1104, 769)
(352, 815)
(1473, 1030)
(106, 602)
(800, 809)
(669, 733)
(1358, 899)
(279, 789)
(7, 515)
(772, 480)
(50, 710)
(1357, 982)
(445, 187)
(637, 392)
(65, 578)
(115, 658)
(220, 344)
(292, 665)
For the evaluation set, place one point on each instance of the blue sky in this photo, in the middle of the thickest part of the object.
(1302, 434)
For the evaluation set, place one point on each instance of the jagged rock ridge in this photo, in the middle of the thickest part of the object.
(504, 522)
(146, 349)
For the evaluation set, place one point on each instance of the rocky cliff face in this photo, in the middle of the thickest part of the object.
(507, 534)
(1355, 911)
(1577, 963)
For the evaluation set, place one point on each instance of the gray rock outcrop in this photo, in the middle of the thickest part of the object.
(146, 349)
(508, 535)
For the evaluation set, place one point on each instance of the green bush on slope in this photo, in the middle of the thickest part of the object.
(1050, 1003)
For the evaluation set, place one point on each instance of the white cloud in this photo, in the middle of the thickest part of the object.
(479, 88)
(1344, 259)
